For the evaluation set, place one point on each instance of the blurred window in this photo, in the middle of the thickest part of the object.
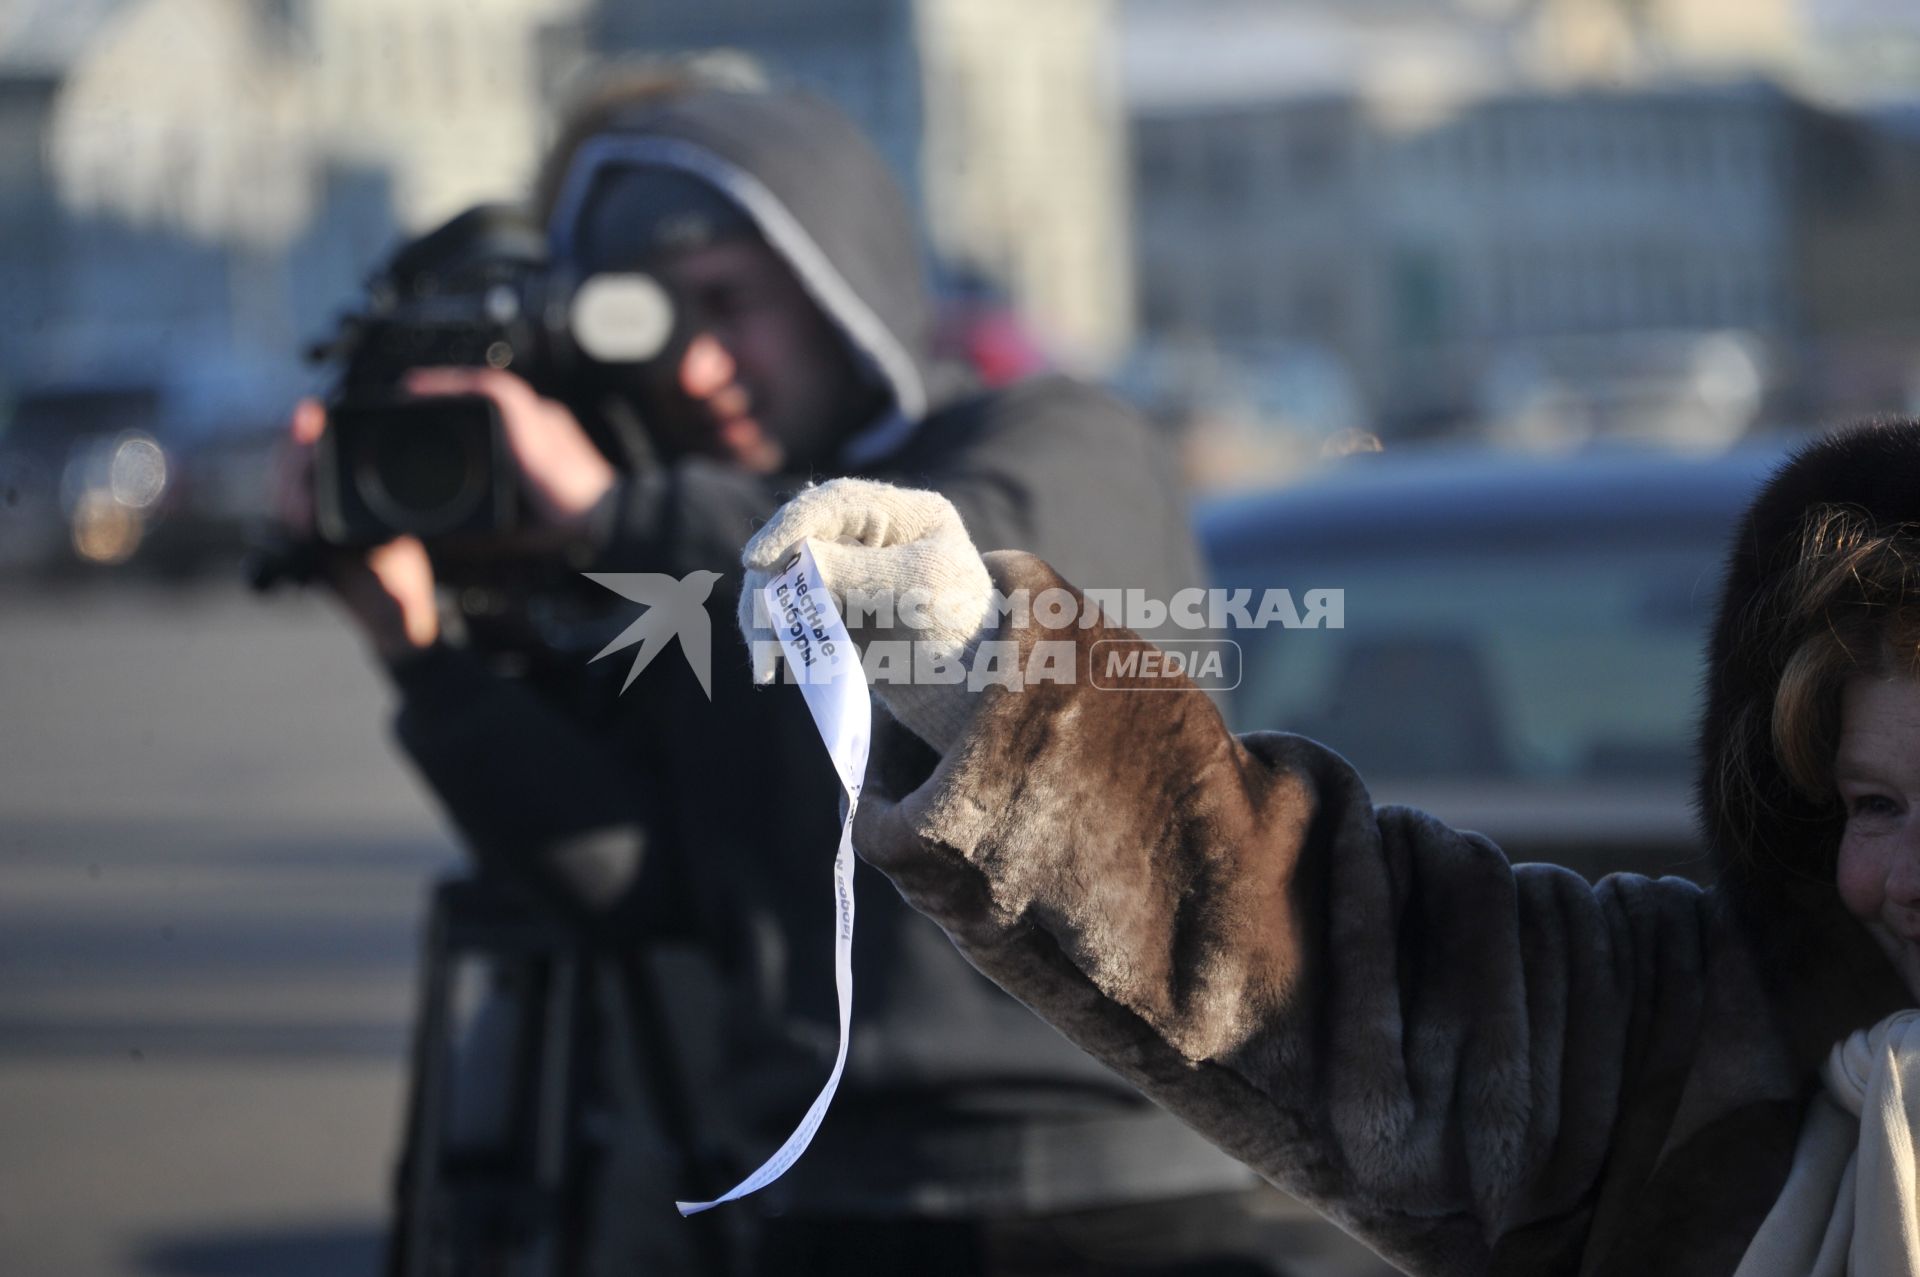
(1157, 159)
(1313, 156)
(1419, 296)
(1318, 309)
(1159, 301)
(1236, 307)
(1228, 180)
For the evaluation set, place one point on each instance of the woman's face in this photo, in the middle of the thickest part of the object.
(1877, 770)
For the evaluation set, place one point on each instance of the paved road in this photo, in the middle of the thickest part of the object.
(211, 866)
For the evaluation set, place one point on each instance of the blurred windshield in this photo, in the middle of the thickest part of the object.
(1499, 659)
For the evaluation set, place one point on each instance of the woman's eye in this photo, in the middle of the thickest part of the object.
(1868, 805)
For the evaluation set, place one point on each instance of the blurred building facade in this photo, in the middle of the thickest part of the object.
(1855, 261)
(1481, 241)
(29, 211)
(1390, 209)
(196, 186)
(1001, 117)
(1833, 52)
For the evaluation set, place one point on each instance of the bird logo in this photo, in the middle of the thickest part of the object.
(676, 606)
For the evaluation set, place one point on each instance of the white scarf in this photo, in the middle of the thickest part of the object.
(1851, 1205)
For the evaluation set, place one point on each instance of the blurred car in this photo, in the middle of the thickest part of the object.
(93, 487)
(1522, 648)
(83, 480)
(32, 530)
(220, 498)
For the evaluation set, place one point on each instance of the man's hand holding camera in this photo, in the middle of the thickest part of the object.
(565, 475)
(388, 589)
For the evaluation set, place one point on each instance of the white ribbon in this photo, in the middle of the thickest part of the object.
(824, 660)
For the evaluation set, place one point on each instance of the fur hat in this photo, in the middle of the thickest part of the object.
(1775, 847)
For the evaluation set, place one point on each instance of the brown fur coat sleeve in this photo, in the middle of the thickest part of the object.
(1373, 1010)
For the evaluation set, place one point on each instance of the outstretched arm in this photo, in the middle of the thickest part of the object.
(1377, 1012)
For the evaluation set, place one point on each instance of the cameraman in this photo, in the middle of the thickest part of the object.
(967, 1137)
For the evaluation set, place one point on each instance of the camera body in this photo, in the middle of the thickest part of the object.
(478, 292)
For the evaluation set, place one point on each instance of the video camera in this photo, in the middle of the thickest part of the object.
(478, 292)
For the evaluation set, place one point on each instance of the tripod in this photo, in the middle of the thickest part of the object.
(523, 1045)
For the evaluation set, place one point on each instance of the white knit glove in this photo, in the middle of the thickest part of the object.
(879, 541)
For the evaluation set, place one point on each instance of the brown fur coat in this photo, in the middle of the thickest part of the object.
(1476, 1067)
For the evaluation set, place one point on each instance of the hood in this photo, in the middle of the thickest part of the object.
(820, 195)
(1775, 849)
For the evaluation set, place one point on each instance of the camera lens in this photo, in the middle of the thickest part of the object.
(425, 472)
